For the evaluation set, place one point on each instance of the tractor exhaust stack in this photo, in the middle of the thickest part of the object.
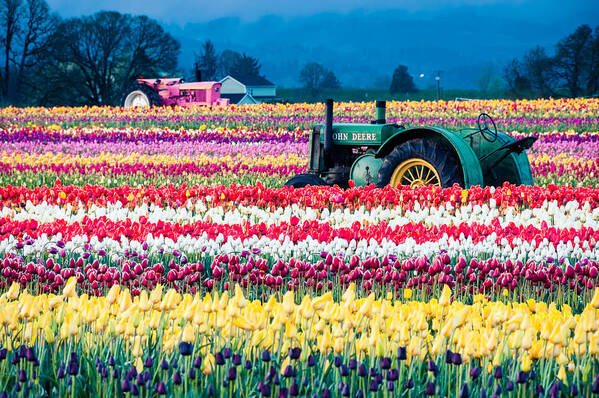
(328, 132)
(380, 112)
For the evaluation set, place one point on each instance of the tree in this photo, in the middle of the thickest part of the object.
(207, 62)
(540, 71)
(227, 60)
(402, 81)
(517, 80)
(150, 51)
(26, 36)
(33, 41)
(311, 75)
(106, 50)
(592, 87)
(329, 80)
(572, 60)
(9, 16)
(572, 71)
(246, 66)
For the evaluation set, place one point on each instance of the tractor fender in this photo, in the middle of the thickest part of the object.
(523, 166)
(468, 160)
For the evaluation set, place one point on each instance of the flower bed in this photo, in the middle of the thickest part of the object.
(148, 252)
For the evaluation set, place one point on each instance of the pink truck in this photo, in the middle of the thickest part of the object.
(158, 92)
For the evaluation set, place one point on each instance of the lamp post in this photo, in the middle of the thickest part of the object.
(438, 79)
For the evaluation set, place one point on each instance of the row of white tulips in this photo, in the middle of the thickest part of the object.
(284, 248)
(564, 216)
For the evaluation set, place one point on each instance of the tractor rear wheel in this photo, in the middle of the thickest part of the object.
(139, 94)
(421, 162)
(302, 180)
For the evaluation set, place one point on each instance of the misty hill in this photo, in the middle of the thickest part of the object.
(361, 47)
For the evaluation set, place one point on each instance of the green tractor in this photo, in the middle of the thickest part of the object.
(384, 153)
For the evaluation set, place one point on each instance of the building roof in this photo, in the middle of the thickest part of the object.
(251, 80)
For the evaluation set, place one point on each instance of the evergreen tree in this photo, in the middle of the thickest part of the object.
(330, 80)
(402, 82)
(207, 62)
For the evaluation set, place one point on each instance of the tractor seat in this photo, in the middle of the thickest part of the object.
(519, 145)
(515, 146)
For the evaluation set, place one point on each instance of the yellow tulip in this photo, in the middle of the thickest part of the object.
(69, 288)
(526, 363)
(13, 291)
(144, 303)
(594, 300)
(445, 296)
(561, 374)
(113, 294)
(188, 334)
(284, 364)
(49, 335)
(208, 364)
(156, 294)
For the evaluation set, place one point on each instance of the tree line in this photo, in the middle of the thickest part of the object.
(315, 77)
(210, 65)
(571, 71)
(89, 60)
(47, 60)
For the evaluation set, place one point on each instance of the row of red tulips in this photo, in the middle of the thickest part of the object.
(317, 197)
(321, 231)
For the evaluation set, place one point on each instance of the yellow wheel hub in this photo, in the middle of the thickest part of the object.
(415, 173)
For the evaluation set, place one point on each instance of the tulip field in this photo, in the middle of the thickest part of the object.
(155, 252)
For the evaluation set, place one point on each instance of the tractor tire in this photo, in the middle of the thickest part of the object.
(139, 94)
(302, 180)
(421, 162)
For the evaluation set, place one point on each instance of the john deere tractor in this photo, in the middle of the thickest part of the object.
(385, 153)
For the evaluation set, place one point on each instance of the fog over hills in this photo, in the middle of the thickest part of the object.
(362, 46)
(362, 40)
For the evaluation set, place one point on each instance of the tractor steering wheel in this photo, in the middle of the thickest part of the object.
(485, 122)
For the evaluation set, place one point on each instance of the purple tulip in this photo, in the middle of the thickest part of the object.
(125, 385)
(185, 348)
(294, 389)
(161, 388)
(402, 353)
(464, 391)
(498, 374)
(197, 362)
(177, 378)
(232, 374)
(294, 353)
(236, 359)
(164, 364)
(430, 389)
(266, 356)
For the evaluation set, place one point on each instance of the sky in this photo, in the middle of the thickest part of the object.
(184, 11)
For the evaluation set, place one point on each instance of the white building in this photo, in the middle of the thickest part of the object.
(247, 89)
